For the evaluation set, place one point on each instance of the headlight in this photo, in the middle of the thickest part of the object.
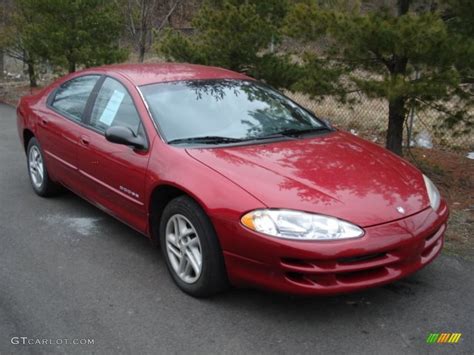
(299, 225)
(433, 193)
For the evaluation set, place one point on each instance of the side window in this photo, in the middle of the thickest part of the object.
(71, 97)
(114, 107)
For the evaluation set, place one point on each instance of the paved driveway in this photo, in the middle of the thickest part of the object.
(69, 271)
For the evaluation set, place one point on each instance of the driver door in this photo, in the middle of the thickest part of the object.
(113, 174)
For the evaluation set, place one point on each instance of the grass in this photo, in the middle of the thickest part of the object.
(454, 175)
(369, 118)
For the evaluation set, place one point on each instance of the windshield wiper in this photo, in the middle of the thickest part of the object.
(297, 132)
(224, 140)
(293, 132)
(206, 140)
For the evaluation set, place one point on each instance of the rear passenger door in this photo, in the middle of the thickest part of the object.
(114, 174)
(59, 126)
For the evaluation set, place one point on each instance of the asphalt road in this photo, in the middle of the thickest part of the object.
(69, 271)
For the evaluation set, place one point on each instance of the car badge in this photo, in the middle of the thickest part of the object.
(401, 210)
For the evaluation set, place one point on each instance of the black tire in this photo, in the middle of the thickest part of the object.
(213, 276)
(47, 188)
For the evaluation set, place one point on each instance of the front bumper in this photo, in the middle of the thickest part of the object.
(385, 253)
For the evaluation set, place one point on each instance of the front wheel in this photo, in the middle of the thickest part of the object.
(191, 248)
(39, 178)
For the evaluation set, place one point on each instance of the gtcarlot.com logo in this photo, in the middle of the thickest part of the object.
(51, 341)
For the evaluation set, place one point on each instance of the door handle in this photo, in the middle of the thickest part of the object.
(44, 121)
(84, 140)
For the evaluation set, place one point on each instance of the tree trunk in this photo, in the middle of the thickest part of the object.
(32, 73)
(144, 12)
(397, 66)
(403, 7)
(2, 63)
(141, 52)
(396, 118)
(72, 66)
(142, 45)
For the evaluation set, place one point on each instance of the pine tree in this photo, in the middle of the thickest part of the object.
(73, 33)
(17, 34)
(236, 35)
(405, 56)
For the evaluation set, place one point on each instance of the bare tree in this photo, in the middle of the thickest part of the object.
(144, 16)
(2, 64)
(3, 29)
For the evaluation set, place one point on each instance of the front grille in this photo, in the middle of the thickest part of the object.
(361, 268)
(360, 276)
(433, 242)
(356, 259)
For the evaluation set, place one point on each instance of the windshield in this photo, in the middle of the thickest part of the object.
(233, 110)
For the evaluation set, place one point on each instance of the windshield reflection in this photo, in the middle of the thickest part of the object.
(234, 109)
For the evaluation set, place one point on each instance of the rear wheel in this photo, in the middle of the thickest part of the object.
(191, 248)
(39, 178)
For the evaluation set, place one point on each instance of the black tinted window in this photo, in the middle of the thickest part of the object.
(71, 97)
(114, 107)
(226, 108)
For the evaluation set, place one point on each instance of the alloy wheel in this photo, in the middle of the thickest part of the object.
(36, 167)
(183, 248)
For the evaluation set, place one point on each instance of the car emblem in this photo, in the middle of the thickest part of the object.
(401, 210)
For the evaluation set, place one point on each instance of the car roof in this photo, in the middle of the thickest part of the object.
(144, 74)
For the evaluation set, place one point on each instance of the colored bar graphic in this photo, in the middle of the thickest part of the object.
(455, 338)
(443, 338)
(432, 338)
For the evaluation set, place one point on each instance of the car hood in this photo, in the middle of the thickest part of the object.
(334, 174)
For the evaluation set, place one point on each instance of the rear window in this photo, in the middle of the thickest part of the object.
(71, 97)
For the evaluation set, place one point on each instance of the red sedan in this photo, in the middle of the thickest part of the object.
(236, 182)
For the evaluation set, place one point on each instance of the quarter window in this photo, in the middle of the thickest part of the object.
(71, 97)
(114, 107)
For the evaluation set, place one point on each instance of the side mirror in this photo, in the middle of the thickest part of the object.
(124, 135)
